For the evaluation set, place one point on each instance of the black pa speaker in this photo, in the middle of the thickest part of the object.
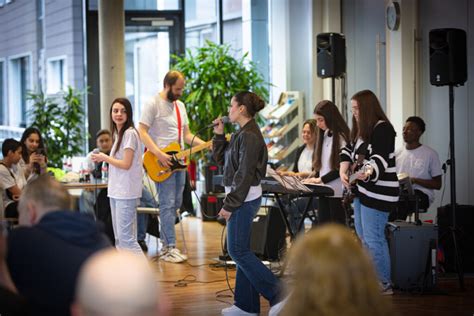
(448, 57)
(267, 240)
(331, 55)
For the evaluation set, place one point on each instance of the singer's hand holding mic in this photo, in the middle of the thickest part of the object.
(218, 124)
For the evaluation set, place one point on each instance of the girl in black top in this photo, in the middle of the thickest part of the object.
(244, 159)
(372, 147)
(332, 135)
(305, 151)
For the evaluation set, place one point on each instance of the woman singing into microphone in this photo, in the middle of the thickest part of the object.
(245, 161)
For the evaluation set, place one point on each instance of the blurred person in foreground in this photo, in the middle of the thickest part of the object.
(46, 252)
(118, 283)
(332, 274)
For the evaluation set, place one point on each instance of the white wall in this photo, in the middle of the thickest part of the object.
(409, 91)
(435, 103)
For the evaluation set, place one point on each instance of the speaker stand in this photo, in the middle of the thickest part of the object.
(453, 228)
(333, 84)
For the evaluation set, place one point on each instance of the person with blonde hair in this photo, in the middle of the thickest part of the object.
(332, 274)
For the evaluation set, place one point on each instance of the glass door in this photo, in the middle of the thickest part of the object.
(150, 40)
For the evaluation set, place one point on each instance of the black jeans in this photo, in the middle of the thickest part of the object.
(330, 209)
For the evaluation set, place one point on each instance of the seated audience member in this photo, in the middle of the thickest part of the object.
(12, 178)
(422, 165)
(33, 155)
(10, 302)
(47, 250)
(103, 140)
(117, 283)
(332, 275)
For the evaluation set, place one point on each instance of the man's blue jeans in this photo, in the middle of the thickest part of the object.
(170, 196)
(370, 227)
(253, 277)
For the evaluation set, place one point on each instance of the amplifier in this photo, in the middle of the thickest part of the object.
(211, 204)
(464, 236)
(268, 234)
(413, 254)
(211, 170)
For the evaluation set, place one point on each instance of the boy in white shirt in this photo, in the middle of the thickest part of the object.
(421, 163)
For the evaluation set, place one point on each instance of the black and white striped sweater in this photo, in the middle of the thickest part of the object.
(381, 190)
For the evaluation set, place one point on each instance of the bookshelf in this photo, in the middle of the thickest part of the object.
(284, 123)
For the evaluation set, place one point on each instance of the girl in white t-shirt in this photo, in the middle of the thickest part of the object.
(125, 175)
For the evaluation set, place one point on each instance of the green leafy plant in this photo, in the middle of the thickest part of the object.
(60, 120)
(213, 76)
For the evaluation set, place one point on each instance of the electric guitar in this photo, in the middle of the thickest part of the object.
(348, 193)
(158, 173)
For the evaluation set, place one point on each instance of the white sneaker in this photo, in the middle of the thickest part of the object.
(276, 309)
(234, 310)
(174, 256)
(163, 252)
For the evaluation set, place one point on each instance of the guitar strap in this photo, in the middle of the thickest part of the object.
(178, 119)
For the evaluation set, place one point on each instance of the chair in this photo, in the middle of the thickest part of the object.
(150, 185)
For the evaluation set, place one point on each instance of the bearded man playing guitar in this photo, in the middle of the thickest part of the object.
(164, 121)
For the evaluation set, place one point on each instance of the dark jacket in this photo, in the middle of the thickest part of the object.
(44, 260)
(299, 150)
(245, 162)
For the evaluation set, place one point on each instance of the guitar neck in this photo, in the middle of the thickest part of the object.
(185, 153)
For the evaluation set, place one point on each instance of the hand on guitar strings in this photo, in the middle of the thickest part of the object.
(164, 159)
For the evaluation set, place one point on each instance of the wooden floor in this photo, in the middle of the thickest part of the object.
(199, 287)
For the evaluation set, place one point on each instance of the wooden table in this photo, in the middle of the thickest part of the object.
(75, 189)
(91, 185)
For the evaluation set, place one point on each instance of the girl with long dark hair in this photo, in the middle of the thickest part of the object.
(125, 175)
(371, 151)
(332, 135)
(34, 158)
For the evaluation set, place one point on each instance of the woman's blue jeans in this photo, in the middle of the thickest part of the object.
(370, 227)
(253, 277)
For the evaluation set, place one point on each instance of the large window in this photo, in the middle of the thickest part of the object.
(144, 5)
(19, 83)
(56, 75)
(202, 23)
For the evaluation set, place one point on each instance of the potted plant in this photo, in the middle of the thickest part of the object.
(60, 120)
(213, 76)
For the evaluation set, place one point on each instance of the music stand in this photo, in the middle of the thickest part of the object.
(407, 192)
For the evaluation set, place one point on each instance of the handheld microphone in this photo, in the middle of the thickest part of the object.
(224, 119)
